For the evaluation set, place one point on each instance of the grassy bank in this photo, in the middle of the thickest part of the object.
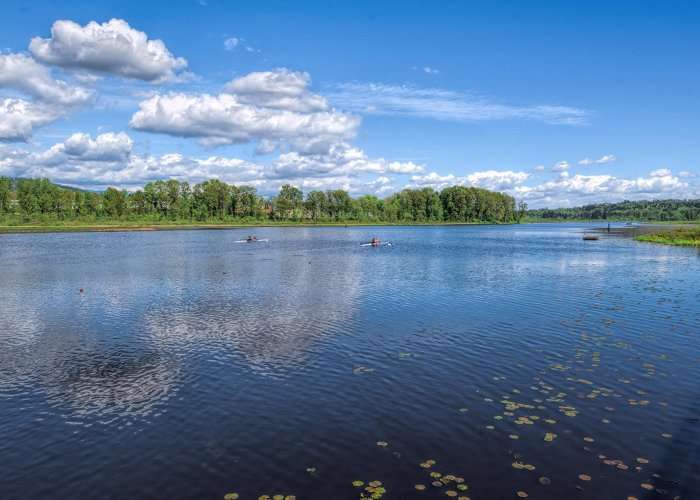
(682, 236)
(116, 226)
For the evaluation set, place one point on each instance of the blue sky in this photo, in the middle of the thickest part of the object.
(556, 103)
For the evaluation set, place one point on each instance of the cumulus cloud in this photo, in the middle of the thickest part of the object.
(49, 99)
(112, 47)
(560, 166)
(687, 175)
(274, 109)
(493, 180)
(278, 89)
(23, 73)
(581, 189)
(600, 161)
(439, 104)
(109, 160)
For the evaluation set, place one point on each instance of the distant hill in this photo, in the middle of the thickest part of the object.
(643, 210)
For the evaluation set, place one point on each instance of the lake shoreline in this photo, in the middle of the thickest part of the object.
(173, 226)
(677, 237)
(136, 227)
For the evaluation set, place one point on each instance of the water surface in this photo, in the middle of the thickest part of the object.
(191, 366)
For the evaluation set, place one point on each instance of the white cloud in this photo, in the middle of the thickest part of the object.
(108, 160)
(407, 100)
(538, 168)
(23, 73)
(231, 43)
(560, 166)
(278, 89)
(50, 99)
(112, 47)
(493, 180)
(430, 71)
(687, 175)
(271, 108)
(582, 189)
(19, 119)
(662, 172)
(603, 159)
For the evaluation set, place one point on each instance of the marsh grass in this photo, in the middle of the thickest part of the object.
(682, 236)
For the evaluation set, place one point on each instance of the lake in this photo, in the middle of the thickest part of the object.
(492, 360)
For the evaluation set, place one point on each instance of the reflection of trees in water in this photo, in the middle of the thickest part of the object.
(274, 321)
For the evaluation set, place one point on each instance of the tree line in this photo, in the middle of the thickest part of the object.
(40, 200)
(643, 210)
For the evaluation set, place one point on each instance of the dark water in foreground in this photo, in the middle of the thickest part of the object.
(192, 366)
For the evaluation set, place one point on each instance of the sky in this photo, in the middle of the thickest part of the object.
(558, 103)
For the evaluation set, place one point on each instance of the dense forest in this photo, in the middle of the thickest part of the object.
(40, 201)
(655, 210)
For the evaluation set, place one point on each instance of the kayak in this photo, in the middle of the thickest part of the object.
(253, 241)
(375, 244)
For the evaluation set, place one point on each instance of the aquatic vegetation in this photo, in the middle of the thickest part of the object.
(689, 237)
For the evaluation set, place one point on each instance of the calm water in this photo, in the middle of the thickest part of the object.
(192, 366)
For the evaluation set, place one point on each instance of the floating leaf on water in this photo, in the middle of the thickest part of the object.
(498, 417)
(514, 436)
(264, 497)
(632, 498)
(667, 436)
(647, 486)
(425, 465)
(464, 410)
(420, 487)
(382, 443)
(278, 497)
(462, 487)
(490, 427)
(622, 466)
(459, 480)
(311, 470)
(435, 474)
(230, 496)
(290, 497)
(550, 437)
(450, 477)
(358, 484)
(437, 484)
(642, 460)
(529, 467)
(522, 494)
(517, 465)
(451, 493)
(588, 440)
(375, 484)
(545, 481)
(584, 477)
